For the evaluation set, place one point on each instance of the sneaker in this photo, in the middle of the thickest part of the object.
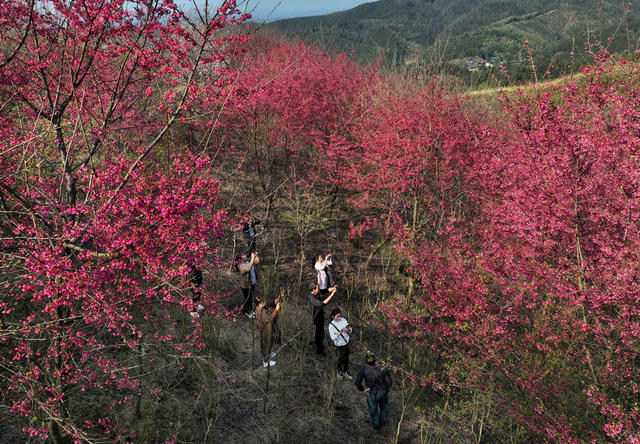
(269, 363)
(200, 307)
(194, 314)
(347, 375)
(340, 375)
(250, 315)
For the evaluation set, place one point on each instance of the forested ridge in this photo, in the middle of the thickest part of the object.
(486, 251)
(443, 35)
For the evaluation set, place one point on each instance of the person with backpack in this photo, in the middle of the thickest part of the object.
(325, 277)
(248, 280)
(377, 384)
(318, 315)
(339, 331)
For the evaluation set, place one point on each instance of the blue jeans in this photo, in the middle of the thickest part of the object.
(378, 409)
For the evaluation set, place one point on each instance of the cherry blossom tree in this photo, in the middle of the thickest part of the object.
(295, 98)
(561, 244)
(522, 235)
(529, 295)
(101, 220)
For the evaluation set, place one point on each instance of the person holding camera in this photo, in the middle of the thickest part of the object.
(248, 280)
(339, 331)
(318, 315)
(325, 277)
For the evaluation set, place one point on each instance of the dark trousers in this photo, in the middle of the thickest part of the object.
(377, 409)
(195, 298)
(267, 338)
(277, 334)
(343, 358)
(248, 293)
(319, 336)
(252, 244)
(318, 321)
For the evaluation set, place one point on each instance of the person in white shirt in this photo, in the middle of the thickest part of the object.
(339, 331)
(325, 278)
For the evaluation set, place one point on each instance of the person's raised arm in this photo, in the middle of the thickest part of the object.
(276, 311)
(334, 290)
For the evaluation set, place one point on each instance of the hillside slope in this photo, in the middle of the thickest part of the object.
(409, 30)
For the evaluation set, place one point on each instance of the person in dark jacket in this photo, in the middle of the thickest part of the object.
(377, 383)
(318, 315)
(250, 233)
(195, 278)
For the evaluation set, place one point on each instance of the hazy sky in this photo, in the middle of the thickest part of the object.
(297, 8)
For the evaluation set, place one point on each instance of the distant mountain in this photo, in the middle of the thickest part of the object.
(417, 31)
(261, 15)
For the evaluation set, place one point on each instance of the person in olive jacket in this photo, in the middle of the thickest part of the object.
(266, 321)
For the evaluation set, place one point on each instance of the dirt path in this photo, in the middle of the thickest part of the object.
(304, 398)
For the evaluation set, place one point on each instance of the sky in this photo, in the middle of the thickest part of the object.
(298, 8)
